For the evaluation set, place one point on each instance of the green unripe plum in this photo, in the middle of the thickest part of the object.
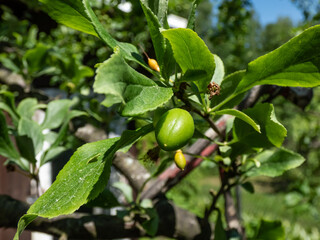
(174, 129)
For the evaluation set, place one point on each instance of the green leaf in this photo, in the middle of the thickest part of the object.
(7, 104)
(225, 151)
(162, 12)
(194, 75)
(58, 138)
(168, 65)
(12, 114)
(81, 73)
(275, 162)
(82, 178)
(192, 15)
(129, 137)
(219, 232)
(78, 181)
(295, 64)
(32, 130)
(248, 186)
(273, 133)
(157, 39)
(105, 200)
(64, 128)
(159, 8)
(125, 189)
(241, 148)
(27, 107)
(240, 115)
(99, 29)
(26, 148)
(270, 230)
(6, 146)
(79, 15)
(8, 63)
(219, 71)
(151, 225)
(128, 51)
(70, 13)
(161, 45)
(52, 154)
(191, 53)
(136, 93)
(36, 58)
(56, 113)
(24, 221)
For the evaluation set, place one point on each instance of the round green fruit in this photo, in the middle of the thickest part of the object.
(174, 129)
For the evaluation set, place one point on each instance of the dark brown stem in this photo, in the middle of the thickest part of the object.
(214, 202)
(209, 121)
(213, 126)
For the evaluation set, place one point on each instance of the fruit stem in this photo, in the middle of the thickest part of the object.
(144, 52)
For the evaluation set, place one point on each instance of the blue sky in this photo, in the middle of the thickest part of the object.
(270, 10)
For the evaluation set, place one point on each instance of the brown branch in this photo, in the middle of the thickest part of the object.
(131, 169)
(254, 95)
(209, 121)
(213, 206)
(233, 222)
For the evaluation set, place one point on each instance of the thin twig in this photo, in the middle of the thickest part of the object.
(214, 202)
(213, 126)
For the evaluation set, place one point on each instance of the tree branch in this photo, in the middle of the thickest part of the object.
(131, 169)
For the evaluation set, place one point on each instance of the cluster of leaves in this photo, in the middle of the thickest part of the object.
(302, 184)
(37, 142)
(34, 54)
(187, 67)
